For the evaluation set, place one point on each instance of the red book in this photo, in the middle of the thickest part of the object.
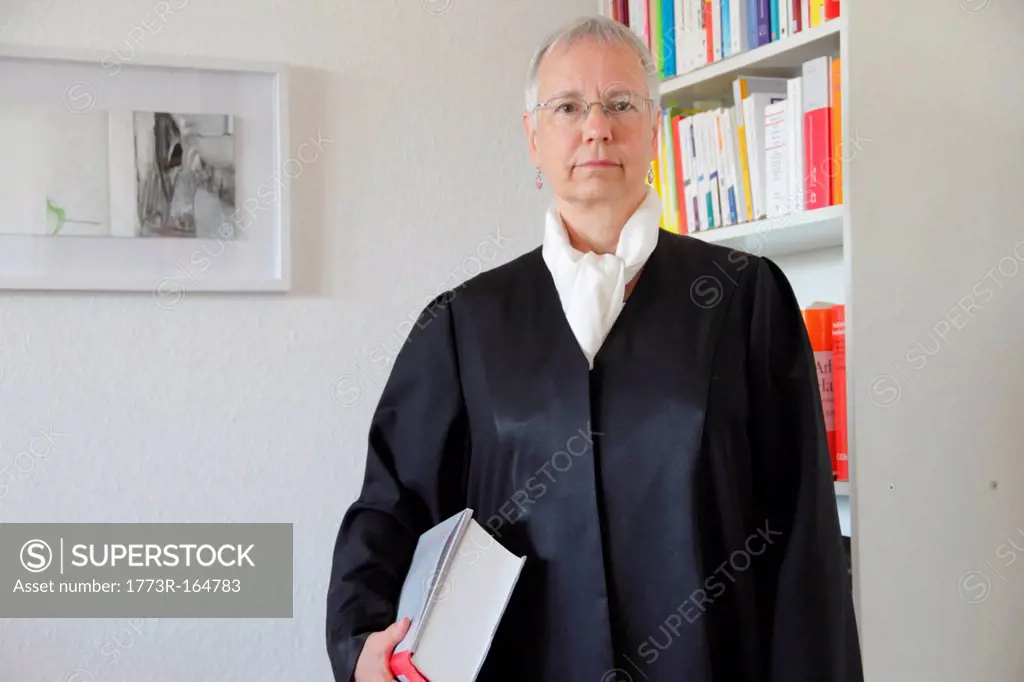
(817, 113)
(831, 9)
(678, 147)
(818, 319)
(842, 461)
(709, 32)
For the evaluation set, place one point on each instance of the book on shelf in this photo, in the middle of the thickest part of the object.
(771, 150)
(455, 593)
(826, 332)
(684, 35)
(842, 462)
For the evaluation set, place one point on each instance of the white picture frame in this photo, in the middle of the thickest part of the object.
(254, 254)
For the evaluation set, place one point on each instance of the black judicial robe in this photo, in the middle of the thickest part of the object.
(675, 504)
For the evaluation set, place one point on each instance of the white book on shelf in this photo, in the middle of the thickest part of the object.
(755, 133)
(455, 592)
(715, 172)
(737, 165)
(730, 209)
(703, 183)
(679, 36)
(784, 7)
(776, 153)
(738, 25)
(796, 143)
(742, 86)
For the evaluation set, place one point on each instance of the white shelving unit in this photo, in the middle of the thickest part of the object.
(935, 500)
(785, 235)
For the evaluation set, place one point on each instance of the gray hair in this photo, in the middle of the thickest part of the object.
(605, 30)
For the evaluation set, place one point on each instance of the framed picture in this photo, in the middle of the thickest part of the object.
(169, 176)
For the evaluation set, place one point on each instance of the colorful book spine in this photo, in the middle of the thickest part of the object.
(773, 20)
(836, 164)
(668, 41)
(764, 22)
(657, 49)
(841, 467)
(819, 330)
(817, 9)
(817, 138)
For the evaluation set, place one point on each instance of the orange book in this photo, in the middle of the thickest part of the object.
(818, 319)
(841, 467)
(837, 136)
(678, 147)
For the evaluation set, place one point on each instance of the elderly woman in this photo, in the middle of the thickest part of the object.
(635, 412)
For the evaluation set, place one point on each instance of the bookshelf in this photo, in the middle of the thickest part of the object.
(934, 506)
(781, 58)
(811, 246)
(786, 235)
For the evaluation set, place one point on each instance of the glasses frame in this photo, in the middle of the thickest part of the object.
(646, 102)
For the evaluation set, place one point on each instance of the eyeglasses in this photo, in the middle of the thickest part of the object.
(624, 107)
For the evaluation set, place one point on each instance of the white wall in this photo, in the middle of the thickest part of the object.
(229, 408)
(937, 220)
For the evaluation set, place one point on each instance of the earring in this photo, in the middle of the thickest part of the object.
(540, 181)
(650, 175)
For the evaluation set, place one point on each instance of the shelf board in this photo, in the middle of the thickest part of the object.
(780, 58)
(842, 488)
(784, 235)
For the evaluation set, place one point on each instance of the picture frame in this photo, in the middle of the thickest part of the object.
(162, 174)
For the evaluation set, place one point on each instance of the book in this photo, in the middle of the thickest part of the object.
(818, 319)
(842, 466)
(455, 593)
(817, 112)
(776, 141)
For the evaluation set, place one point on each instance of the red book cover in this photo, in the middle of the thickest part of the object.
(818, 320)
(841, 467)
(401, 664)
(795, 17)
(817, 133)
(680, 188)
(709, 33)
(831, 9)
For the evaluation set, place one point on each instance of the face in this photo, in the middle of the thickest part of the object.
(594, 158)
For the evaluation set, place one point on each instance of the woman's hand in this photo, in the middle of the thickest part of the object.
(374, 660)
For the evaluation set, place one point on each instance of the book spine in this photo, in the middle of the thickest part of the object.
(836, 160)
(817, 8)
(841, 469)
(668, 24)
(679, 189)
(764, 23)
(819, 331)
(776, 149)
(726, 38)
(773, 20)
(402, 667)
(817, 141)
(831, 9)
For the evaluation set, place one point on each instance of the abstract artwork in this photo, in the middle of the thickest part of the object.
(72, 174)
(54, 172)
(185, 175)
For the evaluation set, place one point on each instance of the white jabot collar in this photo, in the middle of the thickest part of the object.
(590, 285)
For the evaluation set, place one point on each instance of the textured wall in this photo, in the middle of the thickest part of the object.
(248, 408)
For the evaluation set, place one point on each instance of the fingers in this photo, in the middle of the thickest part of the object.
(395, 632)
(377, 651)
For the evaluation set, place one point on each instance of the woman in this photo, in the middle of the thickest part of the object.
(691, 531)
